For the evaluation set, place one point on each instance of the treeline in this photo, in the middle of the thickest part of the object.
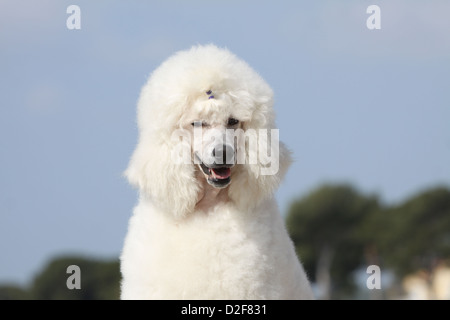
(99, 280)
(338, 232)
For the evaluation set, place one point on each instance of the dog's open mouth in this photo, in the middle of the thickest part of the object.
(218, 177)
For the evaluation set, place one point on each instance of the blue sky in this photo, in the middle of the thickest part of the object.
(368, 107)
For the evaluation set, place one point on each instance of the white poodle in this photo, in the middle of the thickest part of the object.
(207, 225)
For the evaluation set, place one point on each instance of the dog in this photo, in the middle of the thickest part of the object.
(207, 164)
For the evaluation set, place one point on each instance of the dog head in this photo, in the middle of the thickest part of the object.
(204, 110)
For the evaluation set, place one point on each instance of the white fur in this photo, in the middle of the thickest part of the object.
(233, 247)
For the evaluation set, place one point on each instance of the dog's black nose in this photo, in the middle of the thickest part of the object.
(223, 154)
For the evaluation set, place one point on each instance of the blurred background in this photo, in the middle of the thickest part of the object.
(365, 112)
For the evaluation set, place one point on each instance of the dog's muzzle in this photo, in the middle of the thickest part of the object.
(217, 165)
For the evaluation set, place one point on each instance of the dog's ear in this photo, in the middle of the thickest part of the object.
(267, 161)
(249, 187)
(170, 185)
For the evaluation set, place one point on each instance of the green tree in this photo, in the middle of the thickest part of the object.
(325, 229)
(99, 280)
(13, 292)
(413, 235)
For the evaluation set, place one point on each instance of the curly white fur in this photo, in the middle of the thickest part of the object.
(186, 240)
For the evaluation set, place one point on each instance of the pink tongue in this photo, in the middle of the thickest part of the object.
(221, 173)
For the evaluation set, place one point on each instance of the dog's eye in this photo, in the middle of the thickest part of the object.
(232, 121)
(199, 124)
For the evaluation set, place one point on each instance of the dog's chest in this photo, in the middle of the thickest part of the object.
(191, 258)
